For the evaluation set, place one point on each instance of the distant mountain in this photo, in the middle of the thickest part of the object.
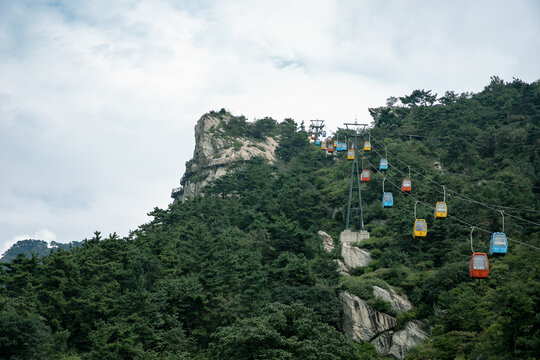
(38, 247)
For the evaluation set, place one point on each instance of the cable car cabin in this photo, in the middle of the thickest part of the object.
(479, 266)
(383, 164)
(324, 133)
(406, 185)
(498, 243)
(330, 147)
(342, 146)
(313, 137)
(350, 154)
(367, 146)
(323, 145)
(366, 175)
(441, 210)
(420, 228)
(387, 199)
(317, 142)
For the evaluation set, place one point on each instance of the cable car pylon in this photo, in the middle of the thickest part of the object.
(354, 182)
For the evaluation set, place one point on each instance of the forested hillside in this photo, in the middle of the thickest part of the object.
(240, 273)
(38, 247)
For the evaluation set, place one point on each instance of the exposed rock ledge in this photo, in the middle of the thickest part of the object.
(397, 343)
(361, 323)
(399, 303)
(354, 256)
(215, 152)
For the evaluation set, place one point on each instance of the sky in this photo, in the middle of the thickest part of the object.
(98, 99)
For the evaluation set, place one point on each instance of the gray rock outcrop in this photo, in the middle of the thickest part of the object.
(342, 268)
(397, 343)
(353, 256)
(215, 152)
(360, 321)
(328, 242)
(399, 303)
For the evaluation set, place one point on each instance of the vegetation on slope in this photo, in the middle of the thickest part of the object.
(240, 273)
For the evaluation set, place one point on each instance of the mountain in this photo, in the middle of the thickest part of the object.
(37, 247)
(253, 261)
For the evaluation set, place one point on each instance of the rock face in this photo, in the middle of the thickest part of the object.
(360, 321)
(399, 303)
(342, 268)
(328, 242)
(215, 152)
(354, 256)
(397, 343)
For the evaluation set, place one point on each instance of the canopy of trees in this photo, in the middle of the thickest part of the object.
(240, 273)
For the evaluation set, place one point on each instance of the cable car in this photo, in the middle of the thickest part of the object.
(324, 133)
(323, 145)
(479, 266)
(406, 185)
(366, 176)
(350, 154)
(367, 145)
(387, 199)
(313, 137)
(420, 228)
(317, 142)
(383, 164)
(498, 243)
(441, 210)
(330, 147)
(342, 146)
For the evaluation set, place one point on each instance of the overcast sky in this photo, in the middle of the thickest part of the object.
(98, 99)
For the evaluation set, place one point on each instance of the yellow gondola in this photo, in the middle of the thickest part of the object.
(367, 145)
(441, 210)
(350, 154)
(420, 228)
(323, 145)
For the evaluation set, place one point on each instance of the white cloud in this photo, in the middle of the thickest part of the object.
(98, 100)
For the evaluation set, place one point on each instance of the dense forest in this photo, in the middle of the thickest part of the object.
(240, 273)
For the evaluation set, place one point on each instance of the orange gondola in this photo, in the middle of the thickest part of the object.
(406, 185)
(479, 266)
(366, 175)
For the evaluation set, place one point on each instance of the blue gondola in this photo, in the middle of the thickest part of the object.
(342, 146)
(324, 133)
(387, 200)
(383, 165)
(498, 243)
(317, 142)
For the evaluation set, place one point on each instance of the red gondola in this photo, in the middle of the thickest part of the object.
(366, 175)
(406, 185)
(479, 266)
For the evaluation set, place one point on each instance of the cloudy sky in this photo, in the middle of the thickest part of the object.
(98, 99)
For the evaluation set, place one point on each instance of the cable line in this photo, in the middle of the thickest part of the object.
(489, 206)
(453, 217)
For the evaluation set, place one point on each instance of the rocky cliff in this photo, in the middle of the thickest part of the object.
(359, 320)
(220, 142)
